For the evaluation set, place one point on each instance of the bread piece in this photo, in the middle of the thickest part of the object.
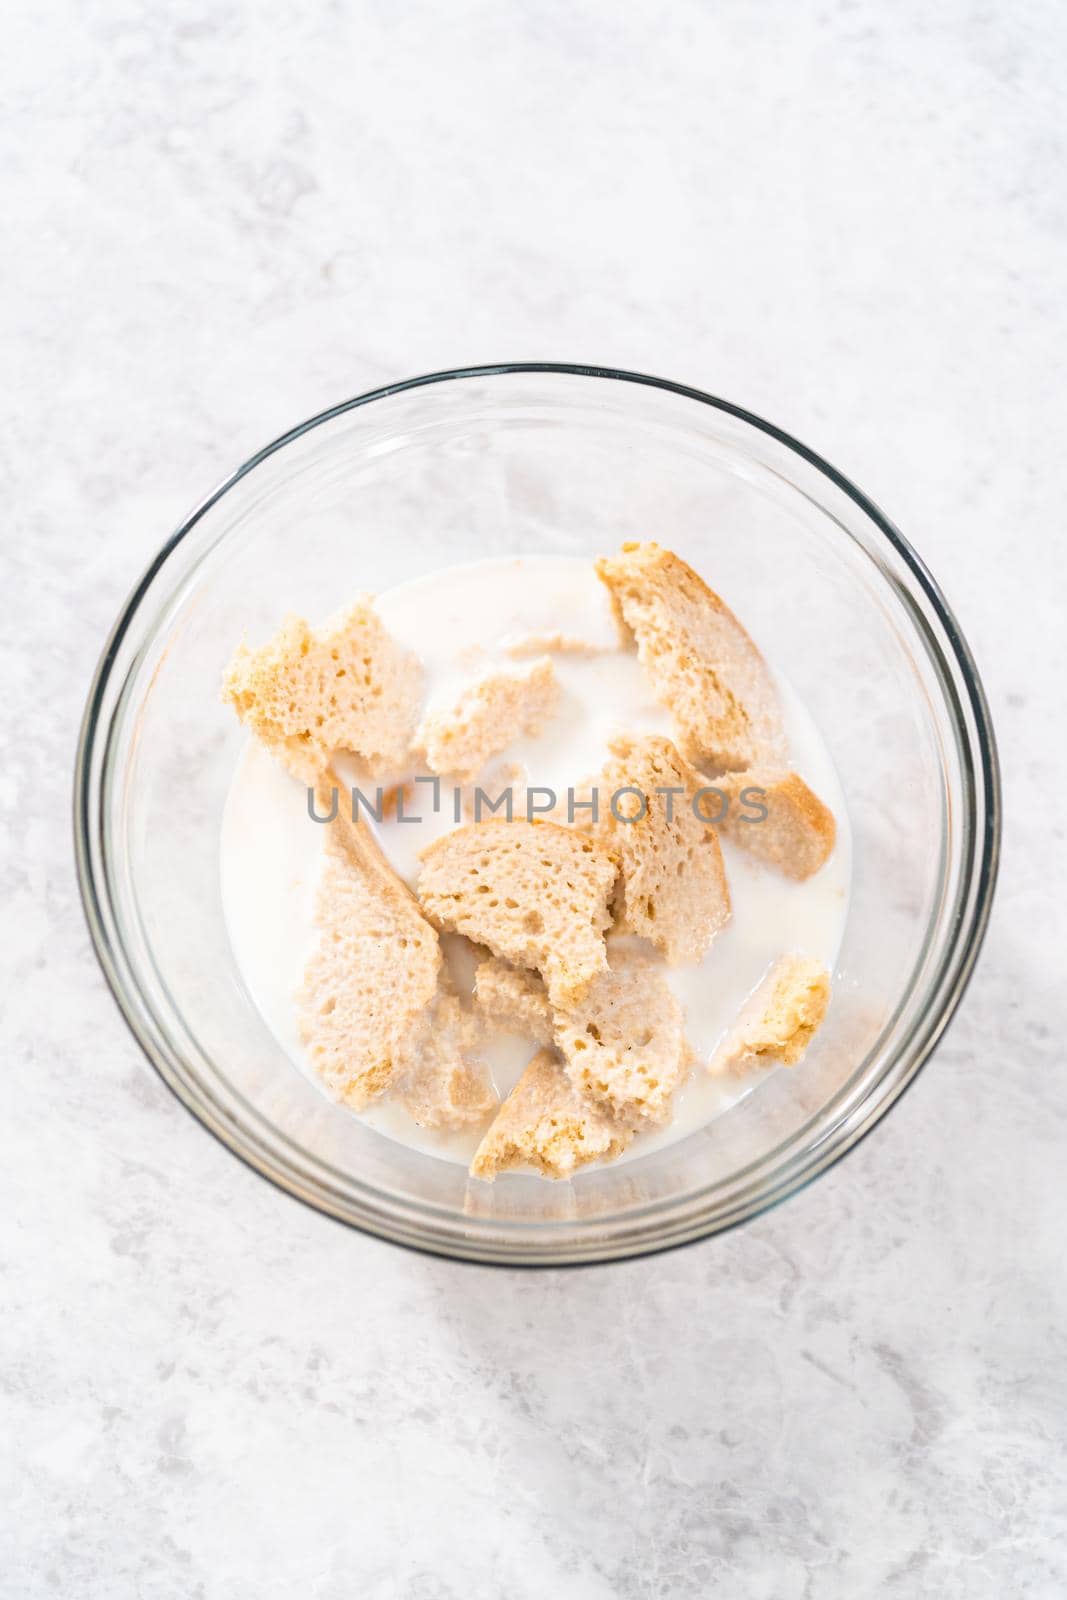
(373, 972)
(797, 833)
(778, 1022)
(624, 1042)
(514, 999)
(673, 885)
(345, 687)
(535, 893)
(446, 1084)
(487, 718)
(702, 663)
(546, 1124)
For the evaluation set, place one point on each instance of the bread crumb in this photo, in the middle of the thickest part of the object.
(540, 644)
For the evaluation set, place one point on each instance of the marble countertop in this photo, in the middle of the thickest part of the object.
(849, 218)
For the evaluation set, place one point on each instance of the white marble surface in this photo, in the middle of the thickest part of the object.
(220, 218)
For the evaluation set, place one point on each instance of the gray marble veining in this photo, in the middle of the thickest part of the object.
(848, 217)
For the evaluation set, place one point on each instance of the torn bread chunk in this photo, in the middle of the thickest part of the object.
(672, 884)
(774, 816)
(445, 1083)
(513, 998)
(624, 1042)
(535, 893)
(373, 973)
(702, 664)
(308, 693)
(546, 1124)
(489, 716)
(779, 1021)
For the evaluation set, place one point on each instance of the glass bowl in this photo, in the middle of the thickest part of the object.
(541, 458)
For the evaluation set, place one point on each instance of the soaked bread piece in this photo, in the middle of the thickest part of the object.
(446, 1084)
(535, 893)
(779, 1021)
(672, 885)
(546, 1124)
(797, 833)
(373, 973)
(624, 1041)
(513, 998)
(308, 693)
(489, 716)
(702, 664)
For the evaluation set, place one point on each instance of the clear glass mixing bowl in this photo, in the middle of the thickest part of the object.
(521, 458)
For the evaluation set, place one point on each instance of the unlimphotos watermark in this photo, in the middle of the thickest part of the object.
(406, 803)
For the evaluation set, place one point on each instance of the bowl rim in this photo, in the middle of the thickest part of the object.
(982, 788)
